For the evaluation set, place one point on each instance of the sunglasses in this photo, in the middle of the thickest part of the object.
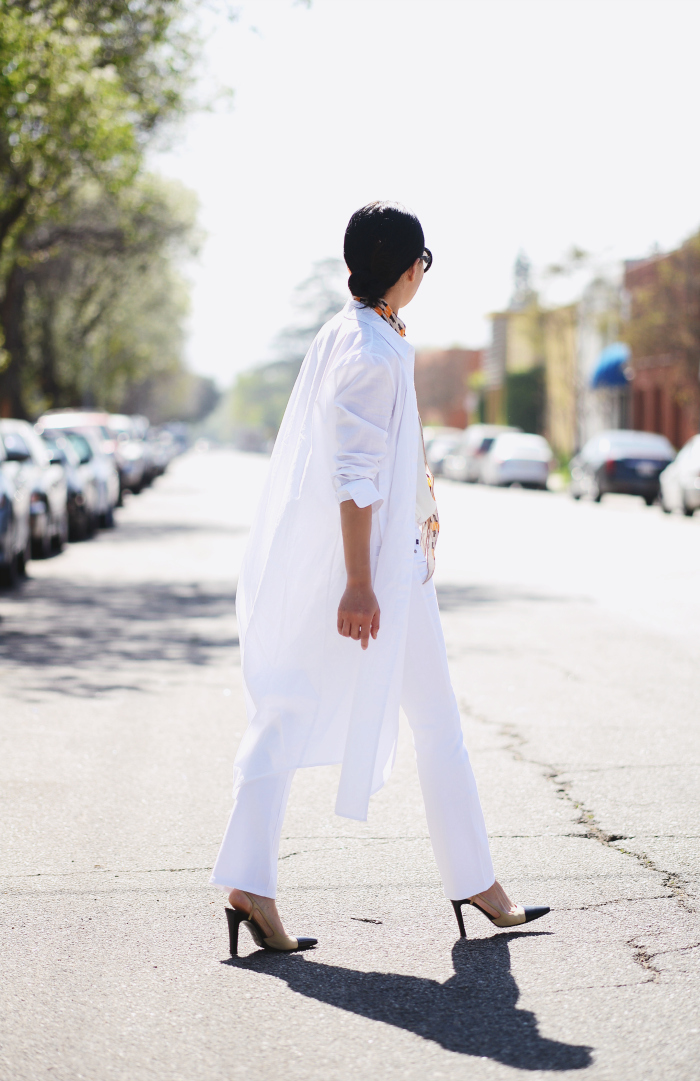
(427, 258)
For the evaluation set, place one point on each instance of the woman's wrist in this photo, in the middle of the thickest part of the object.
(359, 581)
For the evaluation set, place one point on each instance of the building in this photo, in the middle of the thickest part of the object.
(601, 402)
(662, 328)
(559, 333)
(448, 386)
(530, 372)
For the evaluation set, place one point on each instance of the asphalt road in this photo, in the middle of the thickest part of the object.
(574, 639)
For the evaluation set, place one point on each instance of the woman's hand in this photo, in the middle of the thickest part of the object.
(358, 613)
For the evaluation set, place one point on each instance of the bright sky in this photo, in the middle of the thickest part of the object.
(504, 124)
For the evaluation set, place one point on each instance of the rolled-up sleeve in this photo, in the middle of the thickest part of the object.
(365, 395)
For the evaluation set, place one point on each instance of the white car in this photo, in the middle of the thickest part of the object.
(94, 445)
(439, 442)
(518, 458)
(27, 460)
(466, 460)
(680, 481)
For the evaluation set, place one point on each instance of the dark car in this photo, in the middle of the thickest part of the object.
(621, 461)
(15, 535)
(73, 453)
(28, 462)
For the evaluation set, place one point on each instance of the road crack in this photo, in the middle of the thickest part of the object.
(646, 960)
(591, 830)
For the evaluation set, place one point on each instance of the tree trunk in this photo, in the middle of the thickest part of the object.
(47, 374)
(11, 324)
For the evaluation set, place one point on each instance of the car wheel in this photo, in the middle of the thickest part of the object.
(650, 500)
(9, 573)
(107, 519)
(688, 511)
(596, 494)
(41, 546)
(666, 509)
(23, 558)
(60, 537)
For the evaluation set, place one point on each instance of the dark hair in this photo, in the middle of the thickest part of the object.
(382, 241)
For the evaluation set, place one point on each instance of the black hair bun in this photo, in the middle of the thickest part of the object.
(382, 241)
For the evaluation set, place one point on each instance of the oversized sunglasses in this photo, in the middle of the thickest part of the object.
(427, 258)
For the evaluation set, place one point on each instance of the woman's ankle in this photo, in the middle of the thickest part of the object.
(240, 899)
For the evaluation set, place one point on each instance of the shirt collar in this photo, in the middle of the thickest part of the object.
(387, 313)
(402, 346)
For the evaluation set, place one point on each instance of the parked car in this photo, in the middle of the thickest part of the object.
(130, 452)
(81, 483)
(28, 461)
(620, 461)
(680, 481)
(15, 532)
(518, 458)
(99, 451)
(438, 443)
(466, 459)
(162, 449)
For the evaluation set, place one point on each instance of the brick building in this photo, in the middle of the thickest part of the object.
(665, 392)
(446, 381)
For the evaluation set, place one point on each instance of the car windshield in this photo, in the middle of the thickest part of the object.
(15, 444)
(533, 447)
(54, 450)
(637, 445)
(81, 445)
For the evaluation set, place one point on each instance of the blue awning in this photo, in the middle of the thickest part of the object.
(610, 369)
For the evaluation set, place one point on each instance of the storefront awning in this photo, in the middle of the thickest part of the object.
(610, 369)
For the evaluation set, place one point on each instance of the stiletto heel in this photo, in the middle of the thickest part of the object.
(235, 918)
(274, 943)
(524, 914)
(457, 906)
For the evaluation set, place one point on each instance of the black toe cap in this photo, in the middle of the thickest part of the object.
(306, 943)
(533, 912)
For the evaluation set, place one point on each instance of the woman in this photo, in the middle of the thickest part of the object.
(346, 528)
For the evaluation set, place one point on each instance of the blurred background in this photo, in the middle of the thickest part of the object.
(177, 176)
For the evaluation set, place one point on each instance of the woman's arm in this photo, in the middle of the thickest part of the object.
(358, 611)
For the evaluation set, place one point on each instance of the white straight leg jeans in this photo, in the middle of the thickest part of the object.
(247, 859)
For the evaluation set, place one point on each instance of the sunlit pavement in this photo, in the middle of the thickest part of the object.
(573, 634)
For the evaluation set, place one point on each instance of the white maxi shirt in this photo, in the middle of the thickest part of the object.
(313, 697)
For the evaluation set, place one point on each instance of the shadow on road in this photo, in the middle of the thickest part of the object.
(131, 532)
(473, 1013)
(453, 597)
(75, 637)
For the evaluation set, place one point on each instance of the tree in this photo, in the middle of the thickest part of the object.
(83, 85)
(664, 314)
(104, 304)
(259, 397)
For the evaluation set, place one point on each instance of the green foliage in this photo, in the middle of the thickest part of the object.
(525, 399)
(665, 313)
(105, 306)
(86, 242)
(81, 84)
(177, 395)
(259, 397)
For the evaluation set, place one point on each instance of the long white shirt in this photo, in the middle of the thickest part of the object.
(349, 431)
